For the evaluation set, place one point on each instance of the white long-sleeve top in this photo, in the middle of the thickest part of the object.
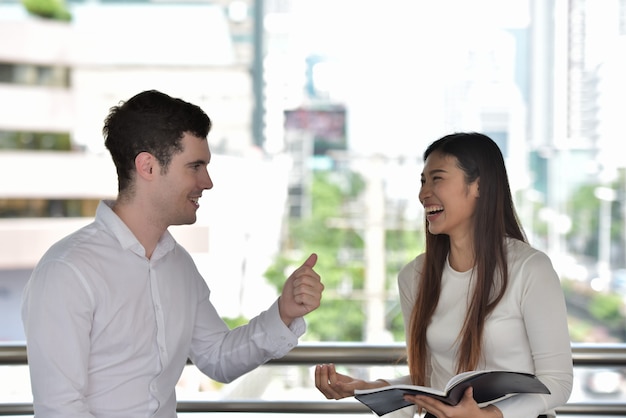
(109, 331)
(527, 331)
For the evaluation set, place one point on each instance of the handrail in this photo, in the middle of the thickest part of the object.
(318, 407)
(12, 354)
(598, 355)
(374, 354)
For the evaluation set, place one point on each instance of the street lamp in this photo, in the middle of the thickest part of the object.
(606, 195)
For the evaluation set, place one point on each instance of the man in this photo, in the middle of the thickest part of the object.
(113, 311)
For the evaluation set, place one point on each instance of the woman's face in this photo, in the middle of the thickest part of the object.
(449, 202)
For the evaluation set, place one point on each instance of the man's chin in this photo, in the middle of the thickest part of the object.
(188, 221)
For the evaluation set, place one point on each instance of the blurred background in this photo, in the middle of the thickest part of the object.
(321, 112)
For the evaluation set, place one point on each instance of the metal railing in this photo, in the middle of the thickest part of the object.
(592, 355)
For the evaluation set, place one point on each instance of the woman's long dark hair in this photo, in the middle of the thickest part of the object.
(495, 219)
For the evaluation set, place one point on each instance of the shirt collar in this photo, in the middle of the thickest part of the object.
(127, 240)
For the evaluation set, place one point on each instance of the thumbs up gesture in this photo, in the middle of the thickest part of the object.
(301, 293)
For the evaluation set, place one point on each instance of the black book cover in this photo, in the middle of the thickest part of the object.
(488, 386)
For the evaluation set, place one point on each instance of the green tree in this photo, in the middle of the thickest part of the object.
(48, 9)
(329, 233)
(584, 208)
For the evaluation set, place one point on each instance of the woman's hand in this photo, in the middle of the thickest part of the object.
(337, 386)
(467, 408)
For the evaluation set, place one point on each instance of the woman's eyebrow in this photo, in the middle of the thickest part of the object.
(435, 171)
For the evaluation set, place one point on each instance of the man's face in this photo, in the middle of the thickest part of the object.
(181, 186)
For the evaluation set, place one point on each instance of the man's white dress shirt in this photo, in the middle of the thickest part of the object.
(109, 331)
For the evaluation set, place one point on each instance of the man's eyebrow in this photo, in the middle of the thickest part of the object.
(196, 162)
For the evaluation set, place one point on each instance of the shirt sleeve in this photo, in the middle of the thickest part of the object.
(56, 313)
(224, 354)
(545, 318)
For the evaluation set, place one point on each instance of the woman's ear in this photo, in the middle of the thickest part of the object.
(145, 164)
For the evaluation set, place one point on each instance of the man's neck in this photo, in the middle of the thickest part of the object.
(141, 224)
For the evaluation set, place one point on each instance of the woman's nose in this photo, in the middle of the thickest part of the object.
(423, 193)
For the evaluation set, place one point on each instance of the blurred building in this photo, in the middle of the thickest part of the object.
(57, 83)
(574, 109)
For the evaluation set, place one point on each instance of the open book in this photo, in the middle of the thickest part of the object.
(488, 385)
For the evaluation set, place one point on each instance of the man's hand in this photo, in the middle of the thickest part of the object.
(302, 292)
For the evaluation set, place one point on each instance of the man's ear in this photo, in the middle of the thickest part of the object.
(145, 164)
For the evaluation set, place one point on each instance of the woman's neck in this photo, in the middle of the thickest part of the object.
(461, 257)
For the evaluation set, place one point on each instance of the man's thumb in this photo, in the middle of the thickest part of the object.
(310, 262)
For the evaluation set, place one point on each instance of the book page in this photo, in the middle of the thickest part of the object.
(462, 376)
(411, 389)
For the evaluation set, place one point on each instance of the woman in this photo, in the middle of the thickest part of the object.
(480, 297)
